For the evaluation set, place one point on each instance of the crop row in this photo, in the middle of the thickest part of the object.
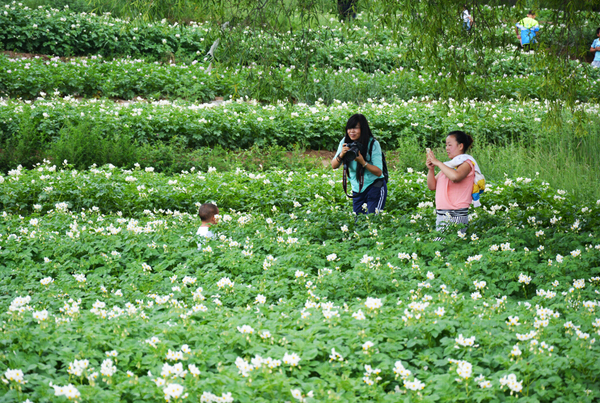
(130, 78)
(292, 296)
(63, 33)
(239, 124)
(135, 192)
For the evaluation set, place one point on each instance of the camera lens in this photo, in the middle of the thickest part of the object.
(352, 152)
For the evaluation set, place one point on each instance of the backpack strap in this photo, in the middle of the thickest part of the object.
(370, 149)
(384, 170)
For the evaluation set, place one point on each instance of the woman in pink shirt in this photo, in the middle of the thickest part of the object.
(453, 186)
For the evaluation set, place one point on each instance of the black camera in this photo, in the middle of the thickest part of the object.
(352, 153)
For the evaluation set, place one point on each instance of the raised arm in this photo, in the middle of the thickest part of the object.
(337, 160)
(454, 175)
(431, 178)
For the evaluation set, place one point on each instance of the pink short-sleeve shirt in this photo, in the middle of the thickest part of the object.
(454, 196)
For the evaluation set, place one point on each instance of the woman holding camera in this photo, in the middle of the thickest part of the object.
(363, 163)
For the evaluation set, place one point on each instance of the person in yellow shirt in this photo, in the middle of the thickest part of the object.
(526, 29)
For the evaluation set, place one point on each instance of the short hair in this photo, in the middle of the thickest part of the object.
(531, 12)
(462, 138)
(598, 31)
(207, 211)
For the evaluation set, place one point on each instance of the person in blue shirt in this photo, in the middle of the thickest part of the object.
(596, 50)
(369, 189)
(526, 29)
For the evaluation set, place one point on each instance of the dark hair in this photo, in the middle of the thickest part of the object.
(207, 211)
(531, 12)
(465, 7)
(462, 138)
(365, 132)
(598, 31)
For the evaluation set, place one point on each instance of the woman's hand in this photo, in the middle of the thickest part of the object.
(337, 160)
(345, 149)
(360, 159)
(431, 178)
(432, 161)
(368, 167)
(428, 162)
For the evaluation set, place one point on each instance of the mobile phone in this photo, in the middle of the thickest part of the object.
(427, 150)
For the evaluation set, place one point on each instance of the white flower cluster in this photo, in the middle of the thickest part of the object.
(335, 356)
(465, 342)
(291, 359)
(172, 371)
(80, 278)
(415, 384)
(208, 397)
(20, 304)
(475, 258)
(366, 346)
(245, 329)
(187, 280)
(371, 375)
(526, 336)
(516, 351)
(300, 274)
(152, 341)
(268, 262)
(524, 279)
(511, 381)
(225, 282)
(15, 375)
(297, 394)
(590, 305)
(545, 294)
(483, 384)
(464, 369)
(373, 303)
(400, 371)
(174, 391)
(47, 281)
(69, 391)
(543, 347)
(359, 315)
(479, 285)
(40, 316)
(79, 367)
(257, 362)
(107, 368)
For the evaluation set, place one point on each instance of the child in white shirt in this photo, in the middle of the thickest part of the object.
(208, 214)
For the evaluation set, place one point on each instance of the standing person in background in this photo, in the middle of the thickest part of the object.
(596, 50)
(364, 164)
(526, 29)
(458, 184)
(467, 19)
(347, 9)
